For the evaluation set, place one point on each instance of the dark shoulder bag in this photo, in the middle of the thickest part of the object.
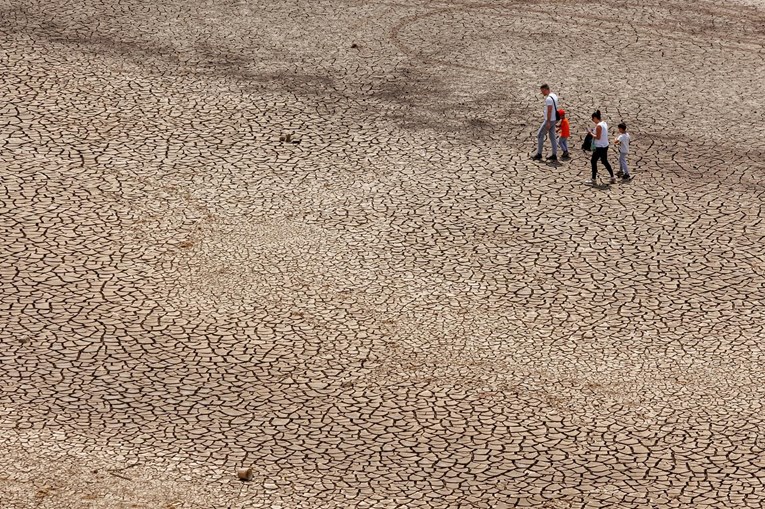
(555, 105)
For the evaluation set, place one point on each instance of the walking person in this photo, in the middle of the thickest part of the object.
(548, 125)
(623, 141)
(600, 148)
(564, 132)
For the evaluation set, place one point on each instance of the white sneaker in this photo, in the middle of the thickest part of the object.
(590, 182)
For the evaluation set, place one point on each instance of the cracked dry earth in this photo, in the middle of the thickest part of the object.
(401, 310)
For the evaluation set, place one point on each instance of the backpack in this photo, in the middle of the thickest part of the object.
(588, 143)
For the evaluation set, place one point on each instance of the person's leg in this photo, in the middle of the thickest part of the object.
(564, 145)
(594, 162)
(623, 164)
(541, 133)
(553, 140)
(604, 160)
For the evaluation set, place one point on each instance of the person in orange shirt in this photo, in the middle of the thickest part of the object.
(564, 131)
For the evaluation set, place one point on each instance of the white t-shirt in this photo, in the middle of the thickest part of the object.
(624, 143)
(603, 140)
(551, 100)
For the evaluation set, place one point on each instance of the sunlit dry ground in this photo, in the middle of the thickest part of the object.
(400, 310)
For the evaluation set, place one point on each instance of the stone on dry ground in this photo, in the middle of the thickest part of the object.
(401, 310)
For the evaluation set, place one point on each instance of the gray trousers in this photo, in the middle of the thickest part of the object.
(542, 134)
(623, 163)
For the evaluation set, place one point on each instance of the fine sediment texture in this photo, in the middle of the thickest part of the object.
(395, 308)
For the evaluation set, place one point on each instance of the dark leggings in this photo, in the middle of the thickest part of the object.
(602, 154)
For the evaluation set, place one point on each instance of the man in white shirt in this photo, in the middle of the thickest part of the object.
(548, 125)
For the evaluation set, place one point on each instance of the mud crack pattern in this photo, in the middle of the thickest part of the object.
(401, 310)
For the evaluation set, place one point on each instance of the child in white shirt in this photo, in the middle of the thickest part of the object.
(623, 141)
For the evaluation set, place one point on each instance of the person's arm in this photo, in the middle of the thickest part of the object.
(549, 115)
(598, 131)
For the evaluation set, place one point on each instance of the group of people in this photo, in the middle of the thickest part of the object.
(556, 127)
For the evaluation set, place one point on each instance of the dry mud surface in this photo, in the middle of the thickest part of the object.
(402, 310)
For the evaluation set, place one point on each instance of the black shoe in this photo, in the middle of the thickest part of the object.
(565, 156)
(552, 158)
(537, 157)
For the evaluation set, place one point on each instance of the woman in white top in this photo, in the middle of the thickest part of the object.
(600, 151)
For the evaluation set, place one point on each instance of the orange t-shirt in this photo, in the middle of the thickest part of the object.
(565, 131)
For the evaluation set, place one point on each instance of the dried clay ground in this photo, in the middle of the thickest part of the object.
(401, 310)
